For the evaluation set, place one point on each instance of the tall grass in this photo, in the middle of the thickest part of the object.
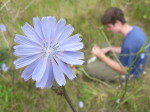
(84, 16)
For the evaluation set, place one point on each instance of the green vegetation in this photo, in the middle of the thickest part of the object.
(16, 95)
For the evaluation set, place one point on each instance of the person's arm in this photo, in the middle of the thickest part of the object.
(111, 63)
(116, 49)
(113, 49)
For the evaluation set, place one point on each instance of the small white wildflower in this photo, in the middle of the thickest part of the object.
(142, 56)
(4, 67)
(81, 104)
(119, 86)
(3, 28)
(118, 101)
(144, 72)
(123, 83)
(131, 76)
(91, 60)
(123, 77)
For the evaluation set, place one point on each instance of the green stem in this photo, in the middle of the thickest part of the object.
(95, 79)
(68, 99)
(110, 46)
(7, 43)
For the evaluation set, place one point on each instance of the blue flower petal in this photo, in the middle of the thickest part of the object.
(24, 61)
(25, 41)
(38, 28)
(20, 47)
(59, 29)
(58, 74)
(48, 78)
(73, 54)
(30, 33)
(66, 33)
(47, 30)
(64, 67)
(26, 47)
(27, 73)
(50, 81)
(26, 50)
(39, 70)
(69, 60)
(52, 23)
(73, 39)
(71, 46)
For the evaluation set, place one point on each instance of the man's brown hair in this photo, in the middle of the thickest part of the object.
(111, 15)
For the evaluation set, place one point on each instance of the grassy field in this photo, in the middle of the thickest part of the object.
(16, 95)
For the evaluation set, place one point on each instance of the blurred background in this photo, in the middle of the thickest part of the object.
(87, 95)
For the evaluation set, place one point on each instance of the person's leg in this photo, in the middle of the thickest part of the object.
(101, 71)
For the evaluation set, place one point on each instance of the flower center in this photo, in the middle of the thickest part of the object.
(49, 50)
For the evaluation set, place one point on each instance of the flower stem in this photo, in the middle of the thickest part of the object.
(68, 99)
(7, 43)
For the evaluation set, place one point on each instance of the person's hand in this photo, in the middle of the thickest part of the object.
(97, 51)
(105, 50)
